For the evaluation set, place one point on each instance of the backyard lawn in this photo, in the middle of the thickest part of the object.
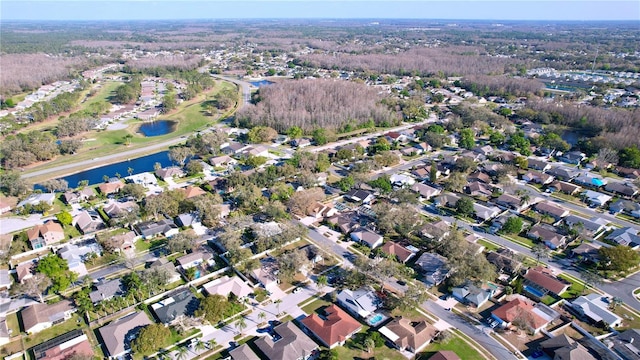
(76, 322)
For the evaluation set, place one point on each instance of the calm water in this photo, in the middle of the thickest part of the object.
(261, 83)
(139, 165)
(157, 128)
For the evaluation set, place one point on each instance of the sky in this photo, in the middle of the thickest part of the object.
(582, 10)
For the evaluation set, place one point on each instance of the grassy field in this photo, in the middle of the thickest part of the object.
(489, 246)
(76, 322)
(190, 117)
(311, 307)
(103, 94)
(456, 344)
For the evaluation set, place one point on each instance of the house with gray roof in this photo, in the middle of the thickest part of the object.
(362, 302)
(627, 236)
(106, 290)
(117, 336)
(243, 352)
(367, 237)
(288, 343)
(169, 309)
(88, 222)
(434, 267)
(622, 189)
(563, 173)
(150, 229)
(591, 226)
(548, 236)
(595, 198)
(471, 294)
(625, 206)
(596, 307)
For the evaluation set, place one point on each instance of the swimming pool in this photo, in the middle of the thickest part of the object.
(376, 319)
(533, 291)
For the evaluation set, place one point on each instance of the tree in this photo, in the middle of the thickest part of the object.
(590, 278)
(618, 258)
(322, 281)
(295, 132)
(200, 345)
(455, 182)
(169, 102)
(467, 139)
(255, 161)
(182, 242)
(607, 156)
(54, 185)
(513, 225)
(368, 344)
(151, 339)
(12, 184)
(301, 201)
(433, 172)
(322, 136)
(262, 316)
(213, 308)
(261, 134)
(553, 141)
(241, 324)
(615, 302)
(82, 300)
(328, 354)
(278, 302)
(182, 353)
(383, 183)
(34, 287)
(346, 183)
(518, 142)
(496, 138)
(630, 157)
(57, 270)
(136, 191)
(64, 218)
(540, 251)
(194, 167)
(180, 154)
(464, 207)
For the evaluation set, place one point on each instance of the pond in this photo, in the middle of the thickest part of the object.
(139, 165)
(261, 83)
(157, 128)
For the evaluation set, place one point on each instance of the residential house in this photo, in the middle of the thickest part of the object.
(223, 161)
(7, 204)
(106, 290)
(471, 294)
(625, 344)
(117, 335)
(75, 256)
(393, 136)
(401, 253)
(300, 143)
(484, 212)
(562, 347)
(65, 346)
(320, 210)
(42, 316)
(367, 237)
(565, 187)
(476, 157)
(626, 236)
(586, 252)
(425, 191)
(549, 237)
(627, 172)
(590, 179)
(35, 199)
(540, 280)
(85, 194)
(447, 199)
(228, 285)
(44, 235)
(333, 327)
(187, 220)
(625, 206)
(255, 150)
(444, 355)
(193, 259)
(596, 308)
(525, 313)
(622, 189)
(422, 147)
(409, 151)
(511, 202)
(115, 209)
(168, 267)
(424, 172)
(25, 271)
(313, 253)
(170, 173)
(539, 165)
(572, 157)
(563, 173)
(401, 180)
(596, 199)
(124, 243)
(477, 188)
(243, 352)
(6, 280)
(232, 148)
(87, 222)
(344, 222)
(192, 191)
(586, 226)
(485, 150)
(479, 176)
(434, 267)
(150, 229)
(362, 302)
(408, 335)
(168, 310)
(435, 231)
(289, 343)
(358, 195)
(267, 273)
(504, 260)
(111, 187)
(537, 177)
(548, 208)
(145, 179)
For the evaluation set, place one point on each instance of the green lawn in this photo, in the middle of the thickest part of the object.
(456, 344)
(76, 322)
(576, 289)
(144, 245)
(13, 324)
(316, 304)
(103, 94)
(489, 246)
(519, 240)
(354, 349)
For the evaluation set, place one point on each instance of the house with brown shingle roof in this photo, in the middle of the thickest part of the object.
(192, 191)
(110, 187)
(24, 271)
(333, 327)
(45, 235)
(445, 355)
(408, 335)
(40, 316)
(398, 251)
(565, 187)
(552, 239)
(548, 208)
(291, 343)
(537, 177)
(524, 313)
(117, 336)
(544, 281)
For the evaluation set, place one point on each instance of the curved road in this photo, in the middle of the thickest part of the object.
(134, 153)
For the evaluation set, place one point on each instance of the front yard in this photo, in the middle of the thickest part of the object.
(455, 344)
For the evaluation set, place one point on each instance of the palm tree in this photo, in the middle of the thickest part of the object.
(200, 346)
(369, 344)
(541, 251)
(262, 316)
(130, 170)
(212, 343)
(322, 281)
(241, 324)
(615, 302)
(589, 279)
(278, 302)
(182, 353)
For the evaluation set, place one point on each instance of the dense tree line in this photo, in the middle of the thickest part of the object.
(313, 104)
(26, 72)
(482, 85)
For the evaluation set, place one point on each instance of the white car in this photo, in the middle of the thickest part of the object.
(297, 290)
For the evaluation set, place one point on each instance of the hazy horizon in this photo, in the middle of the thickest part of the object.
(127, 10)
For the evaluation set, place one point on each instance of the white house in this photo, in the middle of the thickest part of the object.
(362, 302)
(367, 237)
